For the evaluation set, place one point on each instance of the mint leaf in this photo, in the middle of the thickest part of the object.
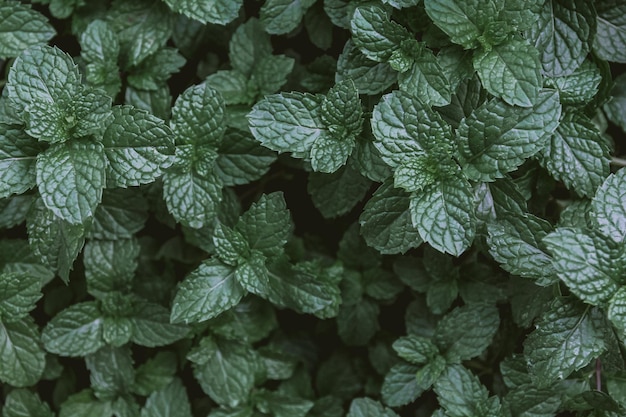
(170, 401)
(138, 147)
(70, 177)
(400, 385)
(120, 215)
(156, 69)
(415, 349)
(369, 77)
(457, 341)
(516, 243)
(386, 221)
(443, 213)
(21, 27)
(609, 207)
(567, 337)
(282, 16)
(18, 153)
(198, 116)
(610, 37)
(248, 46)
(18, 294)
(84, 404)
(511, 71)
(616, 311)
(374, 34)
(357, 323)
(580, 86)
(562, 34)
(54, 241)
(227, 371)
(111, 372)
(155, 374)
(152, 327)
(577, 155)
(23, 359)
(462, 21)
(75, 331)
(426, 78)
(241, 159)
(617, 102)
(366, 407)
(219, 12)
(142, 28)
(230, 245)
(460, 393)
(497, 138)
(25, 403)
(583, 262)
(282, 405)
(338, 193)
(100, 49)
(205, 293)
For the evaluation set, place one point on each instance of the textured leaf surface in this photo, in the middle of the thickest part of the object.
(25, 403)
(198, 116)
(427, 79)
(205, 293)
(610, 39)
(369, 77)
(152, 327)
(566, 338)
(121, 214)
(577, 155)
(609, 206)
(617, 310)
(338, 193)
(580, 86)
(23, 359)
(374, 34)
(460, 392)
(583, 262)
(400, 385)
(138, 147)
(171, 401)
(22, 27)
(366, 407)
(444, 215)
(562, 35)
(282, 16)
(242, 159)
(100, 48)
(18, 294)
(497, 137)
(511, 71)
(18, 153)
(75, 331)
(463, 21)
(191, 199)
(386, 221)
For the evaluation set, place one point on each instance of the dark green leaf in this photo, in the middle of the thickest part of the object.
(75, 331)
(23, 359)
(338, 193)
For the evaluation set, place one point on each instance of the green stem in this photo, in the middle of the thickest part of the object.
(620, 162)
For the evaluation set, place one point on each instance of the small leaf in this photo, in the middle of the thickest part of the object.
(511, 71)
(415, 349)
(75, 331)
(191, 199)
(460, 392)
(70, 178)
(100, 49)
(241, 159)
(23, 359)
(358, 323)
(205, 293)
(120, 215)
(567, 337)
(369, 77)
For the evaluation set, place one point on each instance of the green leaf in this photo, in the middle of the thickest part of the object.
(191, 199)
(70, 178)
(155, 70)
(369, 77)
(23, 359)
(466, 331)
(75, 331)
(18, 294)
(25, 403)
(282, 405)
(342, 111)
(443, 213)
(227, 373)
(198, 116)
(511, 71)
(267, 224)
(338, 193)
(21, 27)
(609, 42)
(614, 108)
(400, 385)
(158, 102)
(111, 372)
(152, 327)
(205, 293)
(609, 207)
(577, 155)
(374, 34)
(170, 401)
(110, 265)
(562, 34)
(404, 128)
(84, 404)
(579, 87)
(282, 16)
(463, 21)
(18, 153)
(138, 147)
(250, 321)
(100, 49)
(54, 241)
(155, 374)
(219, 12)
(248, 46)
(230, 245)
(386, 221)
(358, 323)
(426, 78)
(616, 311)
(232, 85)
(14, 210)
(583, 262)
(567, 337)
(415, 349)
(497, 138)
(121, 214)
(252, 273)
(366, 407)
(287, 122)
(460, 392)
(142, 27)
(241, 159)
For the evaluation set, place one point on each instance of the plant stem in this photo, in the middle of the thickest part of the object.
(620, 162)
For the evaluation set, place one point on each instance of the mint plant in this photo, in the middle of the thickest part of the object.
(312, 208)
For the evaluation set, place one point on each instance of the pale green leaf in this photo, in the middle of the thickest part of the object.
(511, 71)
(22, 27)
(170, 401)
(191, 199)
(579, 87)
(329, 154)
(609, 42)
(198, 116)
(205, 293)
(18, 294)
(567, 337)
(100, 49)
(282, 16)
(23, 360)
(609, 207)
(18, 153)
(374, 34)
(75, 331)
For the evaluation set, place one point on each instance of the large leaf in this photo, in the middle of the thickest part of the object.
(610, 38)
(609, 206)
(21, 27)
(75, 331)
(23, 359)
(18, 153)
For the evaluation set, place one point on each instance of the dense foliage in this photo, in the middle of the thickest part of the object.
(301, 208)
